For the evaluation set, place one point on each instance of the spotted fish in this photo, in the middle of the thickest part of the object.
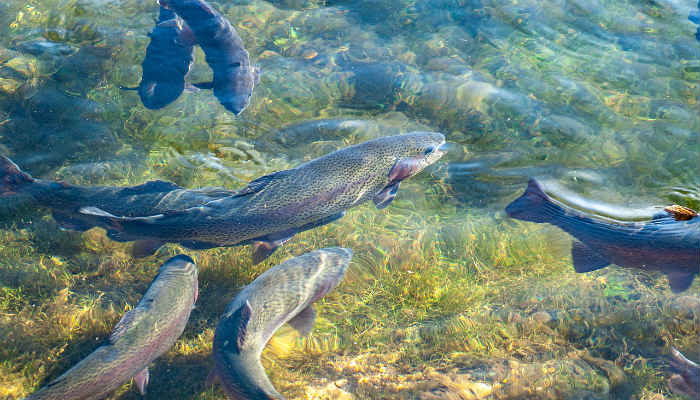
(142, 335)
(670, 242)
(282, 294)
(169, 56)
(234, 77)
(272, 209)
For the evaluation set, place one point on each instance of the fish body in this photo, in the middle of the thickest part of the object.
(141, 336)
(169, 56)
(282, 294)
(234, 77)
(266, 213)
(65, 200)
(694, 17)
(670, 242)
(273, 208)
(687, 379)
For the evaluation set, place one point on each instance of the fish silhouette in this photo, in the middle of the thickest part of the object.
(670, 242)
(169, 56)
(234, 77)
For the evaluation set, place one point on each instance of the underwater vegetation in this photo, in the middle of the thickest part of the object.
(445, 297)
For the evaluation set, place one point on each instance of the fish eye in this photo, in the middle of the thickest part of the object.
(428, 150)
(236, 64)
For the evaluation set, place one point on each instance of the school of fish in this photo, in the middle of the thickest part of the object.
(270, 210)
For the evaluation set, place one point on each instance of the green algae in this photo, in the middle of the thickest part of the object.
(441, 300)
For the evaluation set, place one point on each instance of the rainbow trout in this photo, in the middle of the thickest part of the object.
(282, 294)
(670, 242)
(271, 209)
(169, 56)
(141, 336)
(234, 77)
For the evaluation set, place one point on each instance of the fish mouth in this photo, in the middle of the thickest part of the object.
(443, 148)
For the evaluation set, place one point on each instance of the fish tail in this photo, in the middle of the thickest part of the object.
(534, 205)
(12, 179)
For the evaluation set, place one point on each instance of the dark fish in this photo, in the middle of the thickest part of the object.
(65, 200)
(169, 56)
(687, 381)
(141, 336)
(282, 294)
(670, 242)
(273, 208)
(694, 17)
(234, 77)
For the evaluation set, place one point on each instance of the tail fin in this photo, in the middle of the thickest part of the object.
(11, 177)
(532, 205)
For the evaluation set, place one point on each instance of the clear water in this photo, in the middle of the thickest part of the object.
(446, 297)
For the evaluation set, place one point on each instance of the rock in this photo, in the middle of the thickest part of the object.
(541, 316)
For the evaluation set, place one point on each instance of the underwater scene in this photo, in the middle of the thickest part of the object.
(349, 199)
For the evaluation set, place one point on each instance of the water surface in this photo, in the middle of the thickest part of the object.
(446, 297)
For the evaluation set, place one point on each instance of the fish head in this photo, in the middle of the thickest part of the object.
(182, 265)
(234, 92)
(403, 156)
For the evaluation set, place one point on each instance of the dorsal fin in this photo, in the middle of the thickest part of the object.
(127, 321)
(152, 187)
(680, 213)
(259, 184)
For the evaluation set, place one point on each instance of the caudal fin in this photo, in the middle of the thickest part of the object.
(534, 205)
(12, 179)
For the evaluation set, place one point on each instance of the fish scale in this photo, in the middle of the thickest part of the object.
(282, 294)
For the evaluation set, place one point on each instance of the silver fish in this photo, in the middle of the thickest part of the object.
(282, 294)
(273, 208)
(142, 335)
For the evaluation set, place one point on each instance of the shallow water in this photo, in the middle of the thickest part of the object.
(446, 297)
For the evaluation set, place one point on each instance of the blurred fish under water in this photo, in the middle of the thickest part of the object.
(234, 76)
(669, 243)
(168, 58)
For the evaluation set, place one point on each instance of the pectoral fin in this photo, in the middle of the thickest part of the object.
(679, 280)
(264, 246)
(141, 380)
(383, 198)
(304, 321)
(585, 259)
(403, 169)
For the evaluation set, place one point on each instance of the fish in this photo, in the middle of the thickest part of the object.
(65, 200)
(169, 56)
(669, 242)
(283, 294)
(234, 77)
(271, 209)
(142, 335)
(687, 380)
